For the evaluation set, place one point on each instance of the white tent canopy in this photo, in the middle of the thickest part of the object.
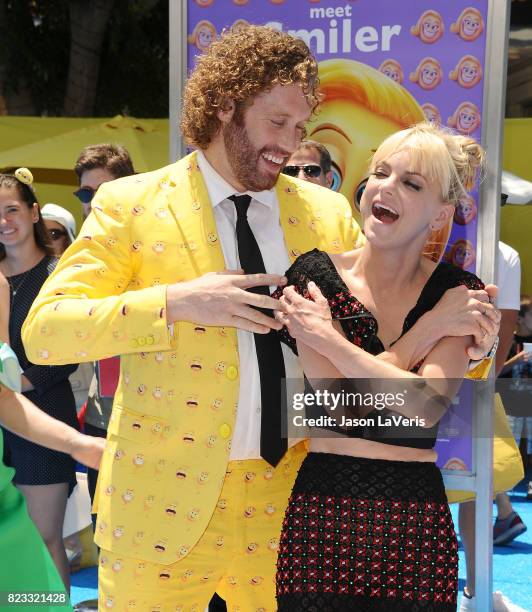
(517, 189)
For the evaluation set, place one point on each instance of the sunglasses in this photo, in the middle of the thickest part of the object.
(56, 234)
(85, 194)
(310, 170)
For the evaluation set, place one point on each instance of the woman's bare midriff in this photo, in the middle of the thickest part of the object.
(356, 447)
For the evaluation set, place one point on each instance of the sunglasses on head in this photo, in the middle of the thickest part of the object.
(310, 170)
(55, 234)
(85, 194)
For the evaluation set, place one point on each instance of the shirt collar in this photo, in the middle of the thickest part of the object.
(219, 189)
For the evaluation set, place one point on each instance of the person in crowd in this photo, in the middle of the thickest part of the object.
(192, 494)
(98, 164)
(310, 162)
(518, 368)
(26, 565)
(61, 226)
(386, 538)
(45, 477)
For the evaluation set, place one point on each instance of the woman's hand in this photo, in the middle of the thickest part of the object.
(308, 321)
(87, 450)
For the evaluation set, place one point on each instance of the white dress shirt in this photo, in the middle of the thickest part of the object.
(263, 218)
(508, 278)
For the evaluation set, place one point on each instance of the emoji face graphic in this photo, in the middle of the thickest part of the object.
(127, 496)
(273, 544)
(183, 551)
(204, 3)
(461, 254)
(219, 542)
(158, 247)
(149, 501)
(170, 510)
(429, 27)
(203, 477)
(181, 474)
(469, 25)
(240, 24)
(212, 238)
(220, 367)
(117, 565)
(432, 113)
(392, 69)
(165, 574)
(187, 574)
(160, 546)
(118, 532)
(203, 35)
(455, 463)
(136, 246)
(466, 210)
(428, 74)
(249, 477)
(216, 404)
(138, 459)
(211, 441)
(268, 473)
(110, 490)
(468, 72)
(465, 119)
(222, 504)
(269, 509)
(195, 365)
(256, 580)
(193, 514)
(353, 120)
(119, 453)
(251, 547)
(141, 389)
(189, 438)
(249, 511)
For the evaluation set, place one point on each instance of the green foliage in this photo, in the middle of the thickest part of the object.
(133, 74)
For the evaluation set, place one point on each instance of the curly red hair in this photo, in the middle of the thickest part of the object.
(238, 66)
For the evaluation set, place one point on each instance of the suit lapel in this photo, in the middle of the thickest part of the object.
(189, 202)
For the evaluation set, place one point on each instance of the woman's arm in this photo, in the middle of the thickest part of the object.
(311, 324)
(23, 418)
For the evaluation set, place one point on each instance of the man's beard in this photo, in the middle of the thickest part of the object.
(244, 158)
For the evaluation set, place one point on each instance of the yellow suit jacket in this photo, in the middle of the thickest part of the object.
(174, 409)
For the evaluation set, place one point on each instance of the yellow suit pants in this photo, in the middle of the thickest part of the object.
(236, 556)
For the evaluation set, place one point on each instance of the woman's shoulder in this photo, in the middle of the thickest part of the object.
(448, 276)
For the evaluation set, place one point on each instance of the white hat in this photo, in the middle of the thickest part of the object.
(60, 215)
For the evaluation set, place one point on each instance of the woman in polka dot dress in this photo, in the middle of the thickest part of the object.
(45, 477)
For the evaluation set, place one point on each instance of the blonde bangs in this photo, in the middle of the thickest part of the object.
(428, 154)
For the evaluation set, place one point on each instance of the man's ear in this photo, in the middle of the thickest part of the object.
(443, 216)
(329, 178)
(227, 110)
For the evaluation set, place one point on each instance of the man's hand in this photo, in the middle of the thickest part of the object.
(220, 298)
(467, 312)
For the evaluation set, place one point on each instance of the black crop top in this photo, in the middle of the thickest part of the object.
(363, 330)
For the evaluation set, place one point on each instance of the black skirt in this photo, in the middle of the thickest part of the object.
(365, 534)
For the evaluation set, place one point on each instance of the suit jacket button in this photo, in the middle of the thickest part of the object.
(232, 372)
(225, 430)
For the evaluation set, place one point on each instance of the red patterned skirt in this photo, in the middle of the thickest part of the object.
(364, 534)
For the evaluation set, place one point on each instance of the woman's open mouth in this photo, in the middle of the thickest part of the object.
(384, 213)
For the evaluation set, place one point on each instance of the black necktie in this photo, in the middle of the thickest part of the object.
(268, 346)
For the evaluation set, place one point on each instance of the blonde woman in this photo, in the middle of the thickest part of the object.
(368, 526)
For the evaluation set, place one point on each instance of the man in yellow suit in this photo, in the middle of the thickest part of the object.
(196, 476)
